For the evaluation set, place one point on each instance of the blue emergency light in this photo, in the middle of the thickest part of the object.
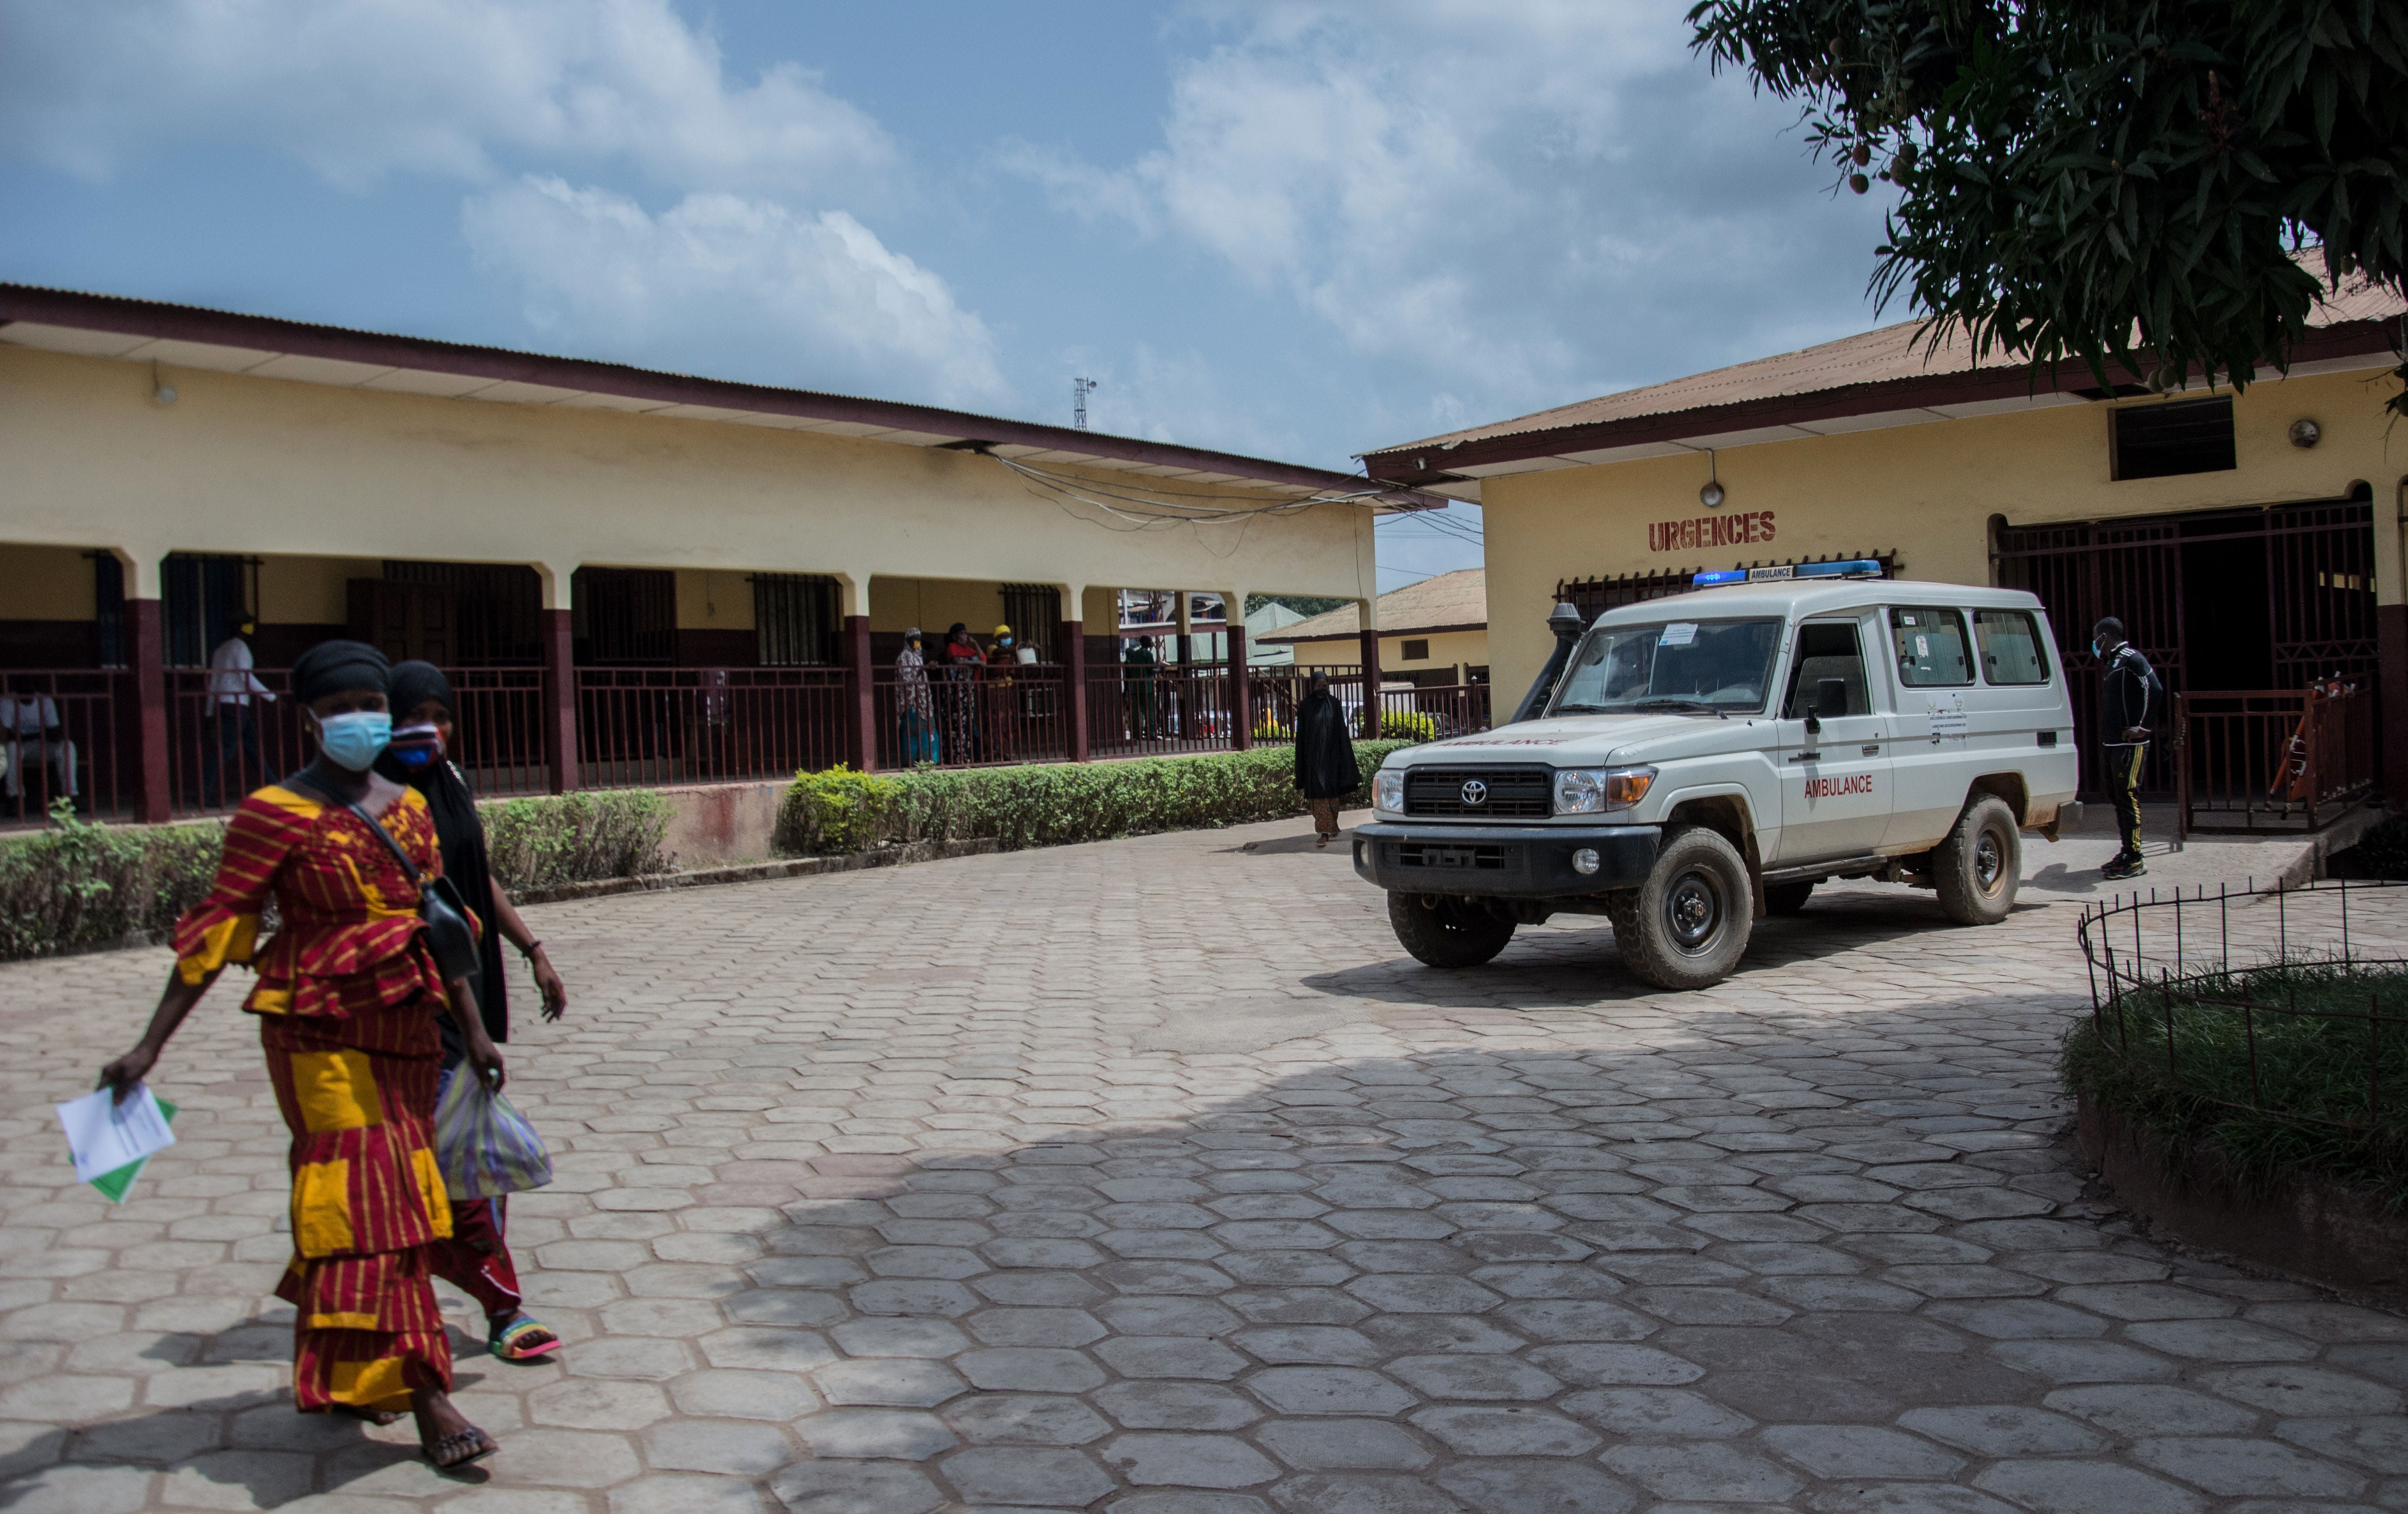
(1723, 577)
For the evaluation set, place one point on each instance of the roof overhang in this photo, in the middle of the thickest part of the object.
(1457, 469)
(1283, 639)
(189, 337)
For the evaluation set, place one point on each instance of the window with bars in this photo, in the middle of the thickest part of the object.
(2182, 436)
(1034, 613)
(203, 595)
(794, 619)
(625, 616)
(496, 609)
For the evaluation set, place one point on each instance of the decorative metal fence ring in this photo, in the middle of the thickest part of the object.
(2140, 988)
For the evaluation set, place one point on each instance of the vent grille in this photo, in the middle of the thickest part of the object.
(1506, 793)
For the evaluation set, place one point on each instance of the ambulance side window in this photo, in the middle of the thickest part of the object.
(1825, 649)
(2011, 647)
(1930, 647)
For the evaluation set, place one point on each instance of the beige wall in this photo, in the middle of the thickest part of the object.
(266, 466)
(313, 591)
(1446, 647)
(1927, 491)
(46, 583)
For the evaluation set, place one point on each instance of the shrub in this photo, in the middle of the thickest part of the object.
(2328, 1098)
(79, 886)
(1046, 804)
(837, 811)
(1407, 726)
(576, 838)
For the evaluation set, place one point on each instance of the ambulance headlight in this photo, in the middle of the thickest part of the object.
(1388, 790)
(1600, 790)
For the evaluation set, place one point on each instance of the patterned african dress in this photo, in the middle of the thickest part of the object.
(346, 997)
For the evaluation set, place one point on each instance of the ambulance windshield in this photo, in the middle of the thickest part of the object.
(1715, 667)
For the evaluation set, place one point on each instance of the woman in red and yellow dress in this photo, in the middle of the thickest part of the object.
(346, 997)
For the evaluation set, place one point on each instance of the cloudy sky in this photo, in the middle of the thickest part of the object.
(1297, 228)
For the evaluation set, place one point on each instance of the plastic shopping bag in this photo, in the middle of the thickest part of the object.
(484, 1146)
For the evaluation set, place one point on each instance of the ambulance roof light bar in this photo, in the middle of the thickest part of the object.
(1724, 577)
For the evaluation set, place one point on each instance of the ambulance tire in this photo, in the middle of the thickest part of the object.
(1447, 933)
(1786, 897)
(1687, 926)
(1977, 869)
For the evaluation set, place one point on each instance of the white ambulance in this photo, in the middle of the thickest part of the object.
(1709, 757)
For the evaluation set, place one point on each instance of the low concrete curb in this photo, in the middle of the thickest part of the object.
(2310, 1230)
(798, 867)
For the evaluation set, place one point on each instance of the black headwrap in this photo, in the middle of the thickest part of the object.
(413, 685)
(459, 835)
(337, 667)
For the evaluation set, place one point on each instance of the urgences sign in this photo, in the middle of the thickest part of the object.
(1700, 532)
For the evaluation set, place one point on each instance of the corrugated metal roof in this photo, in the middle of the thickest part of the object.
(1450, 601)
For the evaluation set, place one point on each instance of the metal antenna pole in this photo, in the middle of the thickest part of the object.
(1080, 390)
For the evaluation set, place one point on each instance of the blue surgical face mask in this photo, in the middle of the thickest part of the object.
(354, 739)
(417, 747)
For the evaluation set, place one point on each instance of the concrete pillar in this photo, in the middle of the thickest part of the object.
(153, 791)
(1370, 611)
(861, 703)
(1242, 684)
(560, 686)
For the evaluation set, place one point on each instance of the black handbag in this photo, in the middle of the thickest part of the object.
(449, 935)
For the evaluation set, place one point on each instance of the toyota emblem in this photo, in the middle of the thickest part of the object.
(1475, 792)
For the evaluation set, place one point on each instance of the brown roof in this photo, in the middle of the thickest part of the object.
(1889, 370)
(188, 336)
(1456, 602)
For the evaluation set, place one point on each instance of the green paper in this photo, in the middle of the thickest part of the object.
(112, 1184)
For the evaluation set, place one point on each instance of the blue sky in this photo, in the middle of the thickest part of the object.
(1298, 228)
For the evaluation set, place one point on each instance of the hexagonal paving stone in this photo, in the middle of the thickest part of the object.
(1328, 1391)
(1034, 1327)
(854, 1487)
(1170, 1356)
(1189, 1461)
(1506, 1432)
(2236, 1467)
(1026, 1419)
(888, 1383)
(597, 1403)
(1029, 1369)
(1032, 1476)
(903, 1434)
(1527, 1487)
(2075, 1487)
(1859, 1450)
(1656, 1413)
(1175, 1406)
(1702, 1472)
(1475, 1376)
(1321, 1445)
(2003, 1429)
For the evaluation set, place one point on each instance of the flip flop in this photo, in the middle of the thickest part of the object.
(512, 1343)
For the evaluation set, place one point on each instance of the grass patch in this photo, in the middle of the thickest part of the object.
(2332, 1101)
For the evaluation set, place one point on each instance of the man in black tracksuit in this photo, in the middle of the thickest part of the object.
(2130, 699)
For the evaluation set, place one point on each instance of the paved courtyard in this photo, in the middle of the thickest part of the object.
(1152, 1177)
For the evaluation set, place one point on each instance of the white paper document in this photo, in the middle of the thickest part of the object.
(1679, 633)
(104, 1135)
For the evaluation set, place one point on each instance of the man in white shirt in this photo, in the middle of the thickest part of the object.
(232, 683)
(29, 723)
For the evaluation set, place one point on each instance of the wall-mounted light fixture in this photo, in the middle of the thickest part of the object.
(161, 390)
(2306, 433)
(1712, 496)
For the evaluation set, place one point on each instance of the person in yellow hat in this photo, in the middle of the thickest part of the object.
(1002, 698)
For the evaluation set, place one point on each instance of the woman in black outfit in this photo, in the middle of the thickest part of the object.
(1325, 770)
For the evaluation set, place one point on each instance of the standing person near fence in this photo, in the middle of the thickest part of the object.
(2130, 699)
(1002, 697)
(1326, 769)
(348, 998)
(1142, 667)
(963, 661)
(476, 1260)
(232, 688)
(915, 711)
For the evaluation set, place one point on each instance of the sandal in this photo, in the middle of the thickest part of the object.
(523, 1340)
(458, 1448)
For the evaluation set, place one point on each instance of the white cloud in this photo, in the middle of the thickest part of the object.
(771, 294)
(1518, 204)
(360, 89)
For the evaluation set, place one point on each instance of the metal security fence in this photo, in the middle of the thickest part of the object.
(2272, 759)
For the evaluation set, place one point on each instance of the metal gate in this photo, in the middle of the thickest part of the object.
(2319, 591)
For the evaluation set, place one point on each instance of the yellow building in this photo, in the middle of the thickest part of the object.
(2248, 541)
(635, 576)
(1433, 633)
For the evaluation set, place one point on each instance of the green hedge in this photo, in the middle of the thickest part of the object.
(576, 838)
(77, 885)
(1046, 804)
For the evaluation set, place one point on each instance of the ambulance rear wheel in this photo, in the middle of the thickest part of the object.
(1447, 933)
(1976, 869)
(1688, 925)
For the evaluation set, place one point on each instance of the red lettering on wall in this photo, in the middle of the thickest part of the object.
(1706, 532)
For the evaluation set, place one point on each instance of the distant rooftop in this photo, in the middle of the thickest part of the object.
(1456, 602)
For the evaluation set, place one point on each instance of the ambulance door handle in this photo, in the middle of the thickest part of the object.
(1874, 750)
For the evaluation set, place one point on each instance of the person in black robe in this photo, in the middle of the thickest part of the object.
(476, 1260)
(1325, 770)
